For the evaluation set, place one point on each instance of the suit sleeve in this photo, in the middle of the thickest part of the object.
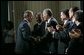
(63, 36)
(52, 23)
(25, 30)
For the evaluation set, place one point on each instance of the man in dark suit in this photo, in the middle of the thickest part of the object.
(23, 35)
(76, 35)
(37, 33)
(50, 43)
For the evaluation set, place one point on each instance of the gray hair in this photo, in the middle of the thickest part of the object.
(48, 11)
(27, 13)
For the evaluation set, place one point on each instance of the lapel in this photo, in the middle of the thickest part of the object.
(27, 23)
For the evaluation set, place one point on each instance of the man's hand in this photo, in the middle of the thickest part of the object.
(75, 33)
(50, 29)
(59, 27)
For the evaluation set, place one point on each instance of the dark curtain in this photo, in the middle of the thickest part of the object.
(3, 20)
(81, 5)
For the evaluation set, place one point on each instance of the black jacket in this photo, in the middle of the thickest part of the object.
(76, 45)
(49, 44)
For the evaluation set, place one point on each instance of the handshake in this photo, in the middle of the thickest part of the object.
(50, 29)
(36, 39)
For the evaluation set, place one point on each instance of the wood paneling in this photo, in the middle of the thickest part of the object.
(36, 6)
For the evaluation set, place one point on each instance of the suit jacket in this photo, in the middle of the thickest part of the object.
(49, 44)
(75, 46)
(23, 37)
(53, 22)
(39, 29)
(63, 41)
(71, 26)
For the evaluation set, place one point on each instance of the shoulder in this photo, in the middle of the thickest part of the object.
(54, 20)
(23, 25)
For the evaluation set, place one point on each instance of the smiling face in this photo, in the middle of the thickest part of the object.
(70, 13)
(62, 16)
(45, 16)
(38, 17)
(29, 17)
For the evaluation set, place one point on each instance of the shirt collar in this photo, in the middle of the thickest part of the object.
(26, 20)
(48, 20)
(39, 23)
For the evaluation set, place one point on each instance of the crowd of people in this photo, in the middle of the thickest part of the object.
(48, 35)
